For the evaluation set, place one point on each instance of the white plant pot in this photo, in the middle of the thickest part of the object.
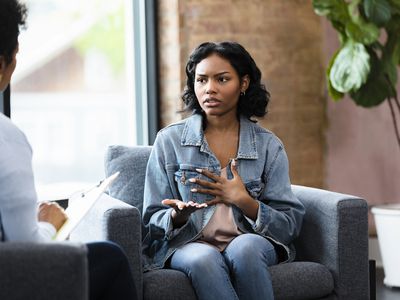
(387, 220)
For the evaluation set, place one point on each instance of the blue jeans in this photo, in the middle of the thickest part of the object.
(239, 272)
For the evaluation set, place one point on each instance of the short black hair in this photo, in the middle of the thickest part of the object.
(12, 17)
(256, 98)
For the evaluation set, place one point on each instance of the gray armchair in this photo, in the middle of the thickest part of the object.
(43, 271)
(332, 249)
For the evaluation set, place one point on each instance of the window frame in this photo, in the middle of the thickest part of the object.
(146, 69)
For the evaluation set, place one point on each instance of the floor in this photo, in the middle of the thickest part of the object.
(383, 292)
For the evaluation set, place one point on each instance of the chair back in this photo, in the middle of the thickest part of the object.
(131, 162)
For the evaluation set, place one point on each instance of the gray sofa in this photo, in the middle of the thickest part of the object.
(332, 249)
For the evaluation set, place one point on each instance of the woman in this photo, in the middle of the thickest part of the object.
(109, 273)
(218, 203)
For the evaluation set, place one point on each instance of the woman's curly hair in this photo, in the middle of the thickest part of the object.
(12, 17)
(253, 103)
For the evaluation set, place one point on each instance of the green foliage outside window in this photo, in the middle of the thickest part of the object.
(108, 36)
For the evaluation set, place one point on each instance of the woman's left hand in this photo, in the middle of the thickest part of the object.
(225, 190)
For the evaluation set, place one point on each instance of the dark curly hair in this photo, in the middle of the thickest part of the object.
(12, 17)
(256, 98)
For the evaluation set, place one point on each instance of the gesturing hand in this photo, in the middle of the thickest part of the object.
(225, 190)
(182, 210)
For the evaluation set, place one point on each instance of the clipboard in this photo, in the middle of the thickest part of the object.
(80, 204)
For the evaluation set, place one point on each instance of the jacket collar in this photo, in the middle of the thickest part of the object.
(193, 135)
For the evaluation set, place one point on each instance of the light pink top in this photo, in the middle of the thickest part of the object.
(221, 229)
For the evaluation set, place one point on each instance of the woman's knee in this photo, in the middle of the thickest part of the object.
(199, 258)
(251, 248)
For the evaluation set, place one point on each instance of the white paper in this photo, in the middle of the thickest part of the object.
(80, 204)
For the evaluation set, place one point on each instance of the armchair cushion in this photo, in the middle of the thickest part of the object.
(293, 281)
(301, 280)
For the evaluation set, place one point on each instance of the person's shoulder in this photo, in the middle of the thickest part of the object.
(260, 130)
(268, 136)
(173, 128)
(14, 145)
(10, 132)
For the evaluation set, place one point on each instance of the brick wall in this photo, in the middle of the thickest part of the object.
(285, 39)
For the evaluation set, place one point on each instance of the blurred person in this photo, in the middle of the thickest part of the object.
(20, 218)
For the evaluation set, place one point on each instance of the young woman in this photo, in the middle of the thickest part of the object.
(218, 203)
(20, 220)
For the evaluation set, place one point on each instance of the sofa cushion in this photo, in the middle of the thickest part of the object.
(301, 280)
(296, 280)
(167, 284)
(130, 161)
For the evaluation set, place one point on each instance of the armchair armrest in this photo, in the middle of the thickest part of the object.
(335, 234)
(113, 220)
(43, 271)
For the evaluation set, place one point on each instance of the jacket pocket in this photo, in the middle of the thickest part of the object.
(255, 188)
(182, 176)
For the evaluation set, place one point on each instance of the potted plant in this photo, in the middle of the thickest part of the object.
(365, 68)
(365, 65)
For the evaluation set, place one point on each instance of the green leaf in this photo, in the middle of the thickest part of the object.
(323, 7)
(350, 68)
(371, 94)
(390, 56)
(376, 89)
(357, 28)
(335, 10)
(397, 53)
(377, 11)
(335, 95)
(391, 71)
(362, 32)
(395, 7)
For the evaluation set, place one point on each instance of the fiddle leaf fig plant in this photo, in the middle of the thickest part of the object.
(365, 65)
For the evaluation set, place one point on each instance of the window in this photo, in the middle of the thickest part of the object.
(72, 91)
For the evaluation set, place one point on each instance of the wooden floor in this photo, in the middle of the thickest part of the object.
(383, 292)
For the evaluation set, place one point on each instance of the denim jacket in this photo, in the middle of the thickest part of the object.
(262, 164)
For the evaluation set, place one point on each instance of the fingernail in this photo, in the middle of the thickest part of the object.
(192, 179)
(199, 170)
(194, 190)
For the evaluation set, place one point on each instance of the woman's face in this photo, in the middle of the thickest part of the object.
(217, 86)
(6, 70)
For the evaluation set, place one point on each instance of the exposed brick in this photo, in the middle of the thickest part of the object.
(285, 39)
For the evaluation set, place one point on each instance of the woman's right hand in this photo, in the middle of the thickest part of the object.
(182, 210)
(52, 213)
